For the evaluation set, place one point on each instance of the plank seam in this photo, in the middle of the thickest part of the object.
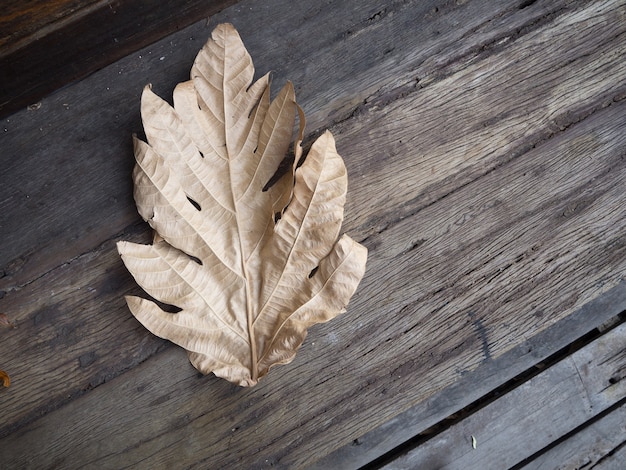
(498, 392)
(611, 453)
(133, 228)
(571, 118)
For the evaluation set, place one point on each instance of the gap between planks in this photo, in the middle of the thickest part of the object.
(599, 443)
(411, 428)
(542, 410)
(536, 369)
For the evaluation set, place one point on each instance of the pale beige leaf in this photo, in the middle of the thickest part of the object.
(250, 265)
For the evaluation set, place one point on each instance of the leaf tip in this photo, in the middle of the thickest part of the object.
(225, 28)
(121, 246)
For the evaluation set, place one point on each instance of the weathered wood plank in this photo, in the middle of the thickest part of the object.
(78, 200)
(69, 338)
(614, 461)
(54, 215)
(96, 35)
(484, 114)
(385, 49)
(23, 19)
(469, 388)
(86, 202)
(515, 427)
(595, 446)
(437, 308)
(424, 339)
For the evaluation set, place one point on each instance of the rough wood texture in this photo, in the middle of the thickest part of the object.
(25, 21)
(596, 446)
(490, 194)
(45, 45)
(407, 429)
(514, 427)
(614, 461)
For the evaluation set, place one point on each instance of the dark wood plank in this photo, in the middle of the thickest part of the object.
(25, 21)
(596, 446)
(86, 42)
(478, 268)
(537, 413)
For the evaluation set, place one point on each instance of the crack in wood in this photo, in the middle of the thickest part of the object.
(540, 139)
(482, 334)
(406, 299)
(137, 227)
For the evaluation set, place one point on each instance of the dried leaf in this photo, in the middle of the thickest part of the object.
(6, 381)
(248, 287)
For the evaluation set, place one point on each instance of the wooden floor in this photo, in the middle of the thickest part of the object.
(485, 142)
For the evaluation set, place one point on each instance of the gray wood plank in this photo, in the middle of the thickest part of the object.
(456, 129)
(357, 373)
(64, 220)
(614, 461)
(452, 280)
(534, 414)
(65, 166)
(470, 388)
(595, 446)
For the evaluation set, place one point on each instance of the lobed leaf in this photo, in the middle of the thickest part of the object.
(250, 265)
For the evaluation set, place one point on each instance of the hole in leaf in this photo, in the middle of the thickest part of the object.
(166, 307)
(197, 260)
(194, 203)
(277, 217)
(283, 168)
(313, 271)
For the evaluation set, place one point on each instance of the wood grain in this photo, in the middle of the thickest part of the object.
(570, 393)
(613, 461)
(83, 41)
(596, 445)
(408, 429)
(25, 21)
(385, 374)
(101, 137)
(492, 209)
(485, 114)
